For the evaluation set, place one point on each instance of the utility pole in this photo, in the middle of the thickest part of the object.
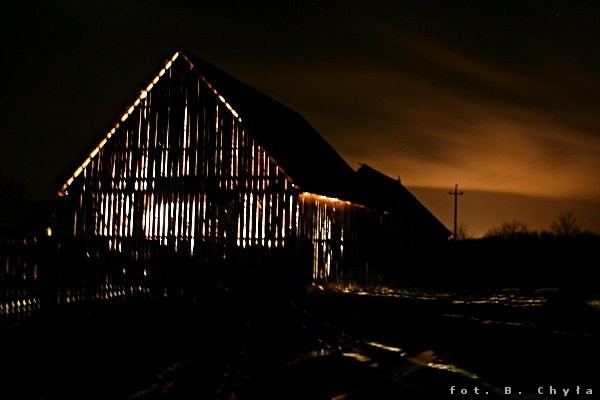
(456, 193)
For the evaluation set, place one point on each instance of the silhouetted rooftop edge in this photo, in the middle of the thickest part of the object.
(303, 154)
(301, 151)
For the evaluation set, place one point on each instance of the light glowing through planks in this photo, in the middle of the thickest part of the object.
(182, 168)
(181, 172)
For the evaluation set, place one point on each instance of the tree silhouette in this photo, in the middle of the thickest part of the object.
(463, 233)
(508, 230)
(566, 225)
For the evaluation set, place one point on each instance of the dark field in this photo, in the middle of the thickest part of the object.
(408, 344)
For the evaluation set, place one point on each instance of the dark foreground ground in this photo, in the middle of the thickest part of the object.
(409, 345)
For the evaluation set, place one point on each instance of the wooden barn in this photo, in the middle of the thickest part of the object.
(204, 176)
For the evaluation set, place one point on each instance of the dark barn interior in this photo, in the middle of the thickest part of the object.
(204, 178)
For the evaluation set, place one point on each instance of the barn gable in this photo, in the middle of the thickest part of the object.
(186, 83)
(204, 170)
(181, 155)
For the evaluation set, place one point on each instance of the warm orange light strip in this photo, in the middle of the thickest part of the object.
(329, 199)
(143, 94)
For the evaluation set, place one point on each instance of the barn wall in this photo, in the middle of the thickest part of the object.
(180, 189)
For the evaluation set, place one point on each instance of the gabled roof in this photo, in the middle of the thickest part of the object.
(296, 146)
(385, 193)
(303, 154)
(312, 164)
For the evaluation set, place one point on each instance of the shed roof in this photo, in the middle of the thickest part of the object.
(382, 192)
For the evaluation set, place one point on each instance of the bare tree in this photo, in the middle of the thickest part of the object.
(463, 233)
(508, 230)
(566, 225)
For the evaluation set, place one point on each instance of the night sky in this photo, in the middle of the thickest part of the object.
(501, 97)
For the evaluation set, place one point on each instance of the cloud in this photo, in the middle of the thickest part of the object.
(436, 114)
(497, 96)
(481, 210)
